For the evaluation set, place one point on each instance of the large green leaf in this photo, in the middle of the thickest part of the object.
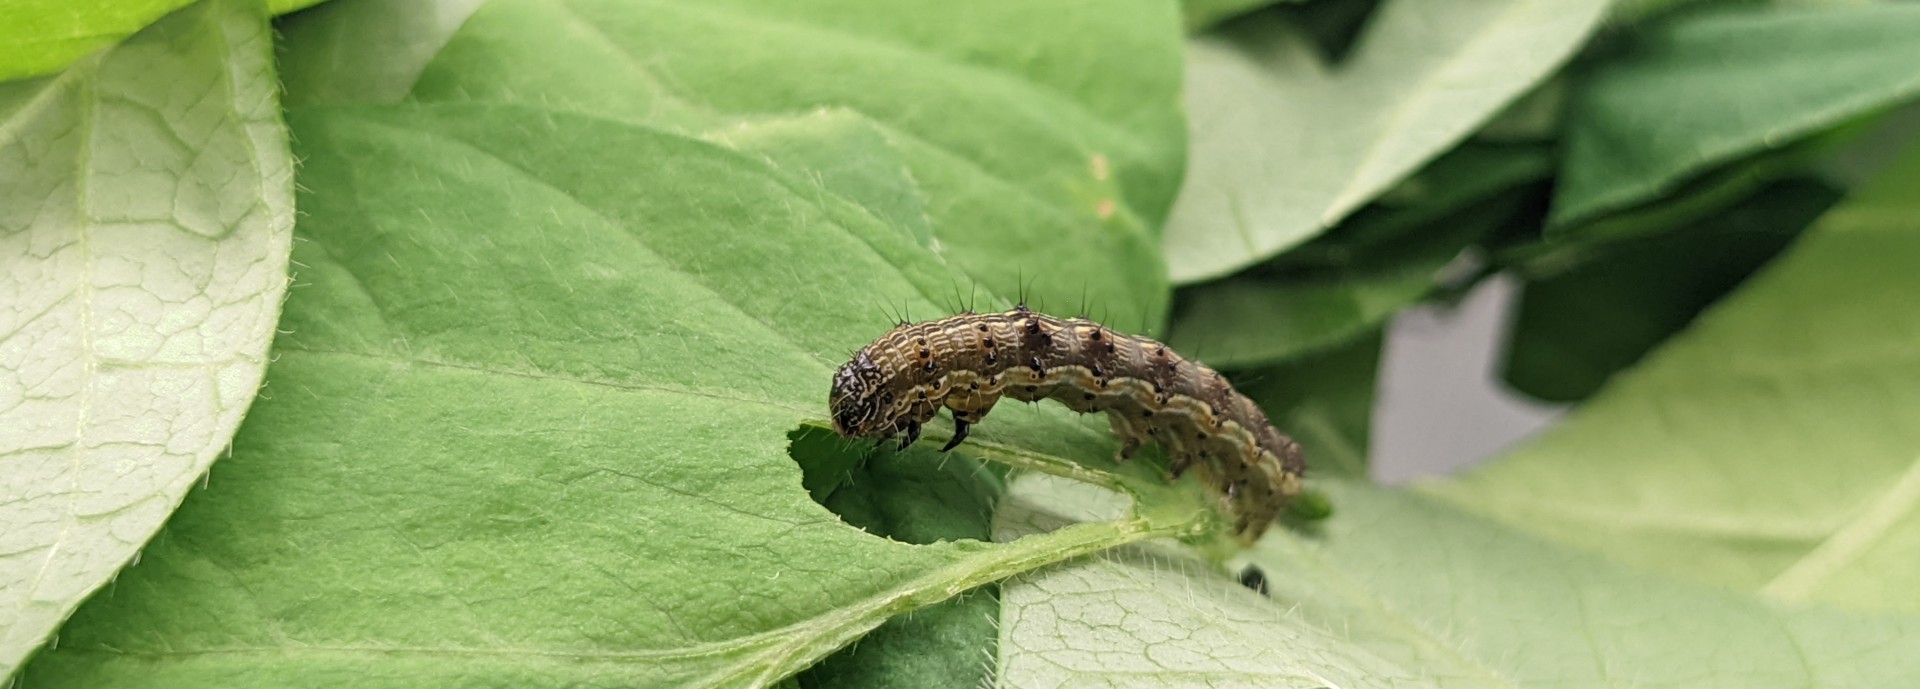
(44, 36)
(1284, 146)
(143, 258)
(533, 418)
(1028, 169)
(1685, 95)
(1771, 446)
(529, 425)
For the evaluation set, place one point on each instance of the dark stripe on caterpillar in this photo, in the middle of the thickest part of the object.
(966, 363)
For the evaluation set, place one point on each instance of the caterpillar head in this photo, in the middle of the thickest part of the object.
(856, 400)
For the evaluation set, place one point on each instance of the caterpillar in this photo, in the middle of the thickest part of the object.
(967, 362)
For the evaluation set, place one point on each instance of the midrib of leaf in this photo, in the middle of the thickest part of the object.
(414, 361)
(1799, 580)
(83, 291)
(847, 623)
(767, 656)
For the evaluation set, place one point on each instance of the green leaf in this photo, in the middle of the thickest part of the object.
(534, 414)
(1351, 280)
(1770, 446)
(1156, 616)
(144, 262)
(1325, 401)
(1014, 149)
(1247, 323)
(44, 36)
(926, 499)
(530, 425)
(1576, 328)
(279, 7)
(1687, 94)
(1201, 14)
(364, 51)
(1284, 146)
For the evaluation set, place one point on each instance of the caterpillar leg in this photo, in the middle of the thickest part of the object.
(913, 434)
(1121, 421)
(1180, 465)
(960, 429)
(967, 410)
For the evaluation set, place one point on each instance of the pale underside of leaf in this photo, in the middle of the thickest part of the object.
(1400, 591)
(1283, 145)
(1154, 615)
(145, 221)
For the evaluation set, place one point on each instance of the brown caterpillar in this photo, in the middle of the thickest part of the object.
(966, 362)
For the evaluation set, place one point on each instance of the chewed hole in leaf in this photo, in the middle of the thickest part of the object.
(916, 496)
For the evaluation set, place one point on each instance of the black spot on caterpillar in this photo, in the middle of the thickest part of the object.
(901, 381)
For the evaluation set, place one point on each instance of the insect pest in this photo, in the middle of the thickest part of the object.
(966, 363)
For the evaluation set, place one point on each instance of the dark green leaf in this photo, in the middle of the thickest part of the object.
(1576, 328)
(1325, 401)
(1690, 93)
(1201, 14)
(919, 498)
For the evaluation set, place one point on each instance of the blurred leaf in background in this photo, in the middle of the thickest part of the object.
(1579, 325)
(1349, 281)
(1766, 448)
(1698, 89)
(1285, 144)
